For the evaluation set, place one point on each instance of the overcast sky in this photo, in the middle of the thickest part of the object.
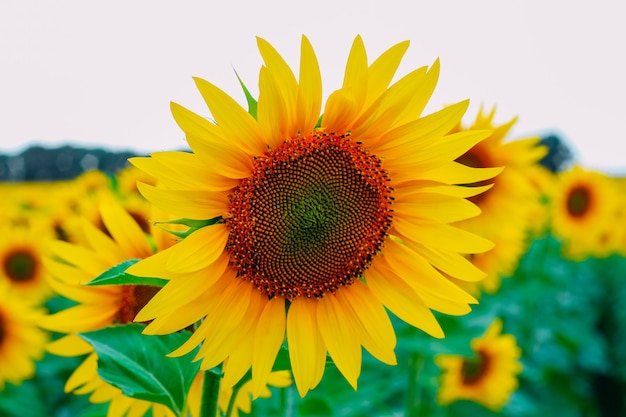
(103, 73)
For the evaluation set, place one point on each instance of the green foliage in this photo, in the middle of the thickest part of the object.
(117, 276)
(136, 364)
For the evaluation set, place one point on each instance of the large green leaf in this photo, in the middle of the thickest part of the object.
(136, 364)
(117, 276)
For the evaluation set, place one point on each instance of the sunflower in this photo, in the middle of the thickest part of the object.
(22, 249)
(99, 306)
(243, 399)
(320, 223)
(21, 341)
(489, 378)
(510, 206)
(584, 206)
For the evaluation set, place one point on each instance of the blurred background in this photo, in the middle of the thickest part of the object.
(84, 86)
(103, 74)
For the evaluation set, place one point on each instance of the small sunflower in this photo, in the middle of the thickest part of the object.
(22, 250)
(100, 306)
(21, 341)
(511, 204)
(584, 206)
(320, 223)
(489, 378)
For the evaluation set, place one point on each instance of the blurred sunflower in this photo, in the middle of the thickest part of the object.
(22, 249)
(98, 306)
(320, 223)
(244, 395)
(584, 206)
(21, 341)
(489, 378)
(510, 205)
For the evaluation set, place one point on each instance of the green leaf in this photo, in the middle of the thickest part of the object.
(252, 102)
(117, 276)
(137, 365)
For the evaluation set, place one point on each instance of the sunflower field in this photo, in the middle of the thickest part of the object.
(355, 257)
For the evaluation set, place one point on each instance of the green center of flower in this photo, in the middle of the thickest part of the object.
(578, 201)
(473, 369)
(20, 265)
(132, 299)
(311, 218)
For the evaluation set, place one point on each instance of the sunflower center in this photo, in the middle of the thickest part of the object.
(20, 265)
(132, 299)
(578, 201)
(473, 369)
(311, 217)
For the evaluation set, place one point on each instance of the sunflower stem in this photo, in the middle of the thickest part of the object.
(210, 393)
(232, 401)
(412, 404)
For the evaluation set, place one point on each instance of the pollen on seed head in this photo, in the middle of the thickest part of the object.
(311, 218)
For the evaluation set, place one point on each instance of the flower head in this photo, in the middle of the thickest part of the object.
(321, 223)
(489, 378)
(584, 208)
(97, 307)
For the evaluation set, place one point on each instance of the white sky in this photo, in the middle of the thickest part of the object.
(103, 73)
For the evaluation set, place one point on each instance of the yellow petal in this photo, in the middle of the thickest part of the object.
(381, 116)
(184, 171)
(213, 149)
(309, 102)
(269, 336)
(340, 111)
(338, 335)
(414, 270)
(355, 76)
(83, 373)
(82, 258)
(80, 318)
(272, 111)
(433, 207)
(382, 70)
(69, 345)
(442, 236)
(107, 248)
(456, 173)
(232, 119)
(402, 300)
(306, 347)
(199, 249)
(370, 321)
(433, 125)
(200, 205)
(152, 266)
(184, 294)
(451, 263)
(125, 231)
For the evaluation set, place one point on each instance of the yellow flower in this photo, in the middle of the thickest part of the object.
(321, 223)
(584, 207)
(21, 341)
(489, 378)
(244, 396)
(510, 206)
(22, 249)
(98, 306)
